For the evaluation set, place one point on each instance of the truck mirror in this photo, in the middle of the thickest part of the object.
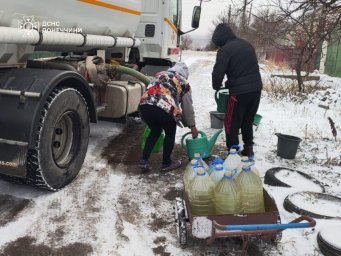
(196, 16)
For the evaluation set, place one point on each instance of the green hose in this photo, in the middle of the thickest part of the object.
(134, 73)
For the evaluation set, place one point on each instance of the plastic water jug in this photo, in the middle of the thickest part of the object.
(232, 160)
(217, 173)
(198, 158)
(213, 164)
(201, 194)
(251, 191)
(190, 172)
(253, 168)
(244, 161)
(227, 194)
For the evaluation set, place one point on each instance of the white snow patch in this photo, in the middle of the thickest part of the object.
(139, 241)
(201, 227)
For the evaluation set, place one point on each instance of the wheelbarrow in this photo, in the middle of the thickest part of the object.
(265, 225)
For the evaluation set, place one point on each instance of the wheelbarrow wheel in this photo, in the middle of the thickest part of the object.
(180, 218)
(327, 248)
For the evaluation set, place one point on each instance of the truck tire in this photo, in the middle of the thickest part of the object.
(61, 140)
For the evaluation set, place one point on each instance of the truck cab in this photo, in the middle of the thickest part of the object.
(158, 30)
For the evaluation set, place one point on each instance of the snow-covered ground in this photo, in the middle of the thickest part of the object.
(110, 210)
(319, 154)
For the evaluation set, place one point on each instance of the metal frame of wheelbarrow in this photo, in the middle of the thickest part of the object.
(266, 225)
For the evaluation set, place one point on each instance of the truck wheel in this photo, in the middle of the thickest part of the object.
(61, 140)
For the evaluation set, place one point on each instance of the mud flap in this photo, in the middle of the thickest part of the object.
(13, 155)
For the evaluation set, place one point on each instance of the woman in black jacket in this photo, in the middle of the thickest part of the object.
(236, 58)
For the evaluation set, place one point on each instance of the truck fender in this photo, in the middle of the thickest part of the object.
(19, 121)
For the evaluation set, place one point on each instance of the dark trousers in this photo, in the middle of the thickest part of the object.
(240, 112)
(157, 120)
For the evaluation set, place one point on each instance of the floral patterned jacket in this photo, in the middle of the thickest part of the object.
(171, 92)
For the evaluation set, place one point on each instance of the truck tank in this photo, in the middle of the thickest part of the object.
(105, 17)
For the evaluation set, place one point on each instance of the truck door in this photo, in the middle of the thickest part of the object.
(172, 22)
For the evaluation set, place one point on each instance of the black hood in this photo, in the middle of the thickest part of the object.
(222, 34)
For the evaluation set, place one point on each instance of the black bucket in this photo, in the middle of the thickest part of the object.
(287, 145)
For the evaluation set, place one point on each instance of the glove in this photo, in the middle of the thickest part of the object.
(194, 132)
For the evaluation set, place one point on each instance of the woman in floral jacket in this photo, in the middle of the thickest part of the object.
(166, 103)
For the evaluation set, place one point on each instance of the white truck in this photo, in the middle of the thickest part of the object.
(46, 104)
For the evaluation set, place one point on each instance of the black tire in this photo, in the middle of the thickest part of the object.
(291, 207)
(271, 179)
(327, 248)
(61, 141)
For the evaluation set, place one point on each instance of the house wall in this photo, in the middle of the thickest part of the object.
(333, 59)
(289, 56)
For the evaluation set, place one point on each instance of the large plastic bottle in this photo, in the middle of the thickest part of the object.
(227, 194)
(253, 168)
(232, 160)
(190, 173)
(213, 163)
(201, 194)
(251, 191)
(217, 173)
(244, 161)
(198, 158)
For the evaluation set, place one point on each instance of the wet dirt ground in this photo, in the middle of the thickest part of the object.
(110, 208)
(126, 149)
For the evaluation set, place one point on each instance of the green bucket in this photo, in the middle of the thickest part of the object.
(221, 98)
(158, 144)
(256, 119)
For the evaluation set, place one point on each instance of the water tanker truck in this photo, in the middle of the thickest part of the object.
(65, 63)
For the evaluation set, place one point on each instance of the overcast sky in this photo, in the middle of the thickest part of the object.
(209, 12)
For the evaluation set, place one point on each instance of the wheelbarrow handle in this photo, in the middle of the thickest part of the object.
(294, 224)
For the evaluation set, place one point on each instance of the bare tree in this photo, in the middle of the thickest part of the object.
(257, 29)
(302, 24)
(308, 23)
(186, 42)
